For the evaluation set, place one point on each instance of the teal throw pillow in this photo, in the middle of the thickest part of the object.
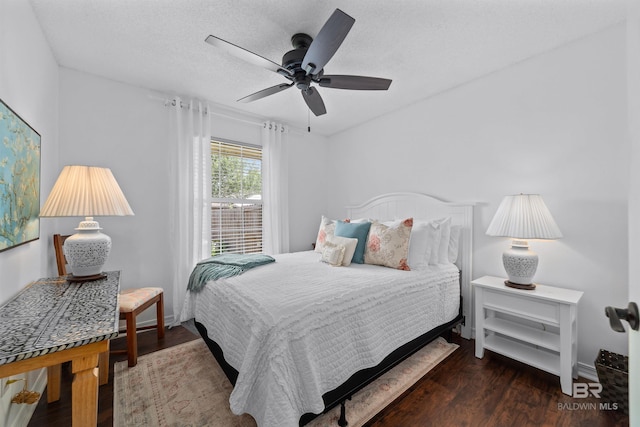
(359, 231)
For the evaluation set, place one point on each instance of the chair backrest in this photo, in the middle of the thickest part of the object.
(58, 241)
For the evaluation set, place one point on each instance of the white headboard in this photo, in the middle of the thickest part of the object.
(422, 207)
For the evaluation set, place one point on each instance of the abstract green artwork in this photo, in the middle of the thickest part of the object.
(19, 180)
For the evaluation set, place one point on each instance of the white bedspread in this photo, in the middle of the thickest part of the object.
(298, 328)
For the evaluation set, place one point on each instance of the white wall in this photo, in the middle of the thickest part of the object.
(29, 85)
(554, 125)
(308, 189)
(104, 123)
(110, 124)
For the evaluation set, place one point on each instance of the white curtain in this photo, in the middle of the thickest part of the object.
(190, 175)
(275, 189)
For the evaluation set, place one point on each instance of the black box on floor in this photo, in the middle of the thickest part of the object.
(613, 373)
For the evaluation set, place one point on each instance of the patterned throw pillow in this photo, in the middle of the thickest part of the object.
(327, 228)
(349, 247)
(389, 245)
(333, 254)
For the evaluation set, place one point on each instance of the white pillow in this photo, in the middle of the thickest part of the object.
(332, 254)
(360, 220)
(418, 246)
(454, 241)
(435, 243)
(445, 235)
(349, 247)
(422, 243)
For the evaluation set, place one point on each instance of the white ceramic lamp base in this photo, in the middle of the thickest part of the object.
(520, 264)
(87, 250)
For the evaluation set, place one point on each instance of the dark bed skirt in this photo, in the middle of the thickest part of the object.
(358, 380)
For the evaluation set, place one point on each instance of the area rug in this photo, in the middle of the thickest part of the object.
(184, 386)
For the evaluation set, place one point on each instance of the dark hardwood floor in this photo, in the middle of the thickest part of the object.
(460, 391)
(58, 414)
(492, 391)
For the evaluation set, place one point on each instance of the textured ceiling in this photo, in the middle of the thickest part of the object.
(424, 46)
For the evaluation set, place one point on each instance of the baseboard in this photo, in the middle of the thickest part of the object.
(151, 322)
(587, 371)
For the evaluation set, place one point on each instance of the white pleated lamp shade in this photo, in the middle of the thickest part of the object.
(86, 191)
(524, 216)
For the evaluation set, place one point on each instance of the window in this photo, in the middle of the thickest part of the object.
(236, 198)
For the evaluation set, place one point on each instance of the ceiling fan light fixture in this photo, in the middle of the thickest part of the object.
(301, 41)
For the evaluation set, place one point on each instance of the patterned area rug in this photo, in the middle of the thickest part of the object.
(184, 386)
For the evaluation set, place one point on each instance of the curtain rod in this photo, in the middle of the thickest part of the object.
(173, 101)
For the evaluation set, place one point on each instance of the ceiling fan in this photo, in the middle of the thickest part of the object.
(304, 65)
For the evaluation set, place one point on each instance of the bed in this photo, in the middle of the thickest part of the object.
(299, 336)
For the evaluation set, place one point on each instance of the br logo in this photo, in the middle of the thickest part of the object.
(584, 390)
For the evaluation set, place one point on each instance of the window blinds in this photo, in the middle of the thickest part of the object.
(236, 199)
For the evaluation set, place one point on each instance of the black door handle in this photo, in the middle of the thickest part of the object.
(630, 314)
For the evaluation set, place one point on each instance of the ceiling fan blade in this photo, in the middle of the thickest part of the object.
(244, 54)
(314, 101)
(354, 82)
(327, 42)
(265, 92)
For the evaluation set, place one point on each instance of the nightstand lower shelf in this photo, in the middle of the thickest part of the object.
(537, 337)
(524, 353)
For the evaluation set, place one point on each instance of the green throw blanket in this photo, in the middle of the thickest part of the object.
(222, 266)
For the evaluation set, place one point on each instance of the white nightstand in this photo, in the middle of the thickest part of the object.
(537, 327)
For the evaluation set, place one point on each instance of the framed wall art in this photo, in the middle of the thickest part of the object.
(19, 180)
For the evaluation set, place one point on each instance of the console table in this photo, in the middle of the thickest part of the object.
(52, 321)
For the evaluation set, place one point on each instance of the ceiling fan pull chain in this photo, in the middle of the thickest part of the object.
(308, 120)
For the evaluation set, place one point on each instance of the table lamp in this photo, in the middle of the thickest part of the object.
(521, 217)
(86, 191)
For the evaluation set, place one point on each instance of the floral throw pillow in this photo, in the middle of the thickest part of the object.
(327, 228)
(388, 245)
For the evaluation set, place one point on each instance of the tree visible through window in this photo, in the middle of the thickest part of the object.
(236, 198)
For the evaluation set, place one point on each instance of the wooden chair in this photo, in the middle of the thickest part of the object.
(132, 302)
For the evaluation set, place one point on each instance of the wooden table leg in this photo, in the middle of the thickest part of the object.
(54, 374)
(84, 391)
(103, 368)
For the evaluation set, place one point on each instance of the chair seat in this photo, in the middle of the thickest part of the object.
(131, 299)
(131, 303)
